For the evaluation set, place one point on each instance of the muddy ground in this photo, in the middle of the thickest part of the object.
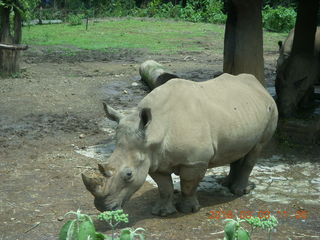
(51, 116)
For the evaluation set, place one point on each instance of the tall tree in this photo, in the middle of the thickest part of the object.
(297, 74)
(243, 42)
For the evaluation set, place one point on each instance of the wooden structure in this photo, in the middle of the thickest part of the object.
(10, 58)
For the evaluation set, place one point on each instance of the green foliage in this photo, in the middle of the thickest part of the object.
(113, 218)
(131, 234)
(75, 19)
(24, 7)
(233, 230)
(278, 19)
(212, 11)
(82, 228)
(266, 223)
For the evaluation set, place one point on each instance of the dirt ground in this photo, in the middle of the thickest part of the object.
(53, 110)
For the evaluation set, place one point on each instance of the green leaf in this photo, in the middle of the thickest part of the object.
(242, 234)
(86, 230)
(100, 236)
(229, 230)
(125, 234)
(64, 230)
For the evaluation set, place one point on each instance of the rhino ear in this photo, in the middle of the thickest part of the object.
(145, 118)
(280, 45)
(111, 113)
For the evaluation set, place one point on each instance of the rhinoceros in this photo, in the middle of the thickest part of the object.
(285, 48)
(185, 127)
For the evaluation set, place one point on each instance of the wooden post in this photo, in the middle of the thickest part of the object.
(154, 74)
(9, 61)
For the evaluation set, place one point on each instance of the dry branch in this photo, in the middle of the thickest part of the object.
(13, 47)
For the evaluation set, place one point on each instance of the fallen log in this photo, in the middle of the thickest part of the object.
(154, 74)
(13, 47)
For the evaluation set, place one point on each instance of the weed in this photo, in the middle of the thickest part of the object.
(234, 231)
(82, 227)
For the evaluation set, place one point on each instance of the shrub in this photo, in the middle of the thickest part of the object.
(190, 14)
(75, 19)
(212, 12)
(278, 19)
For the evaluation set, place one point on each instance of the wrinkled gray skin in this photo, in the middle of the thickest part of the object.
(185, 127)
(285, 48)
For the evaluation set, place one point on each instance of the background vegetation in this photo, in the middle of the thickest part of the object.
(278, 15)
(165, 36)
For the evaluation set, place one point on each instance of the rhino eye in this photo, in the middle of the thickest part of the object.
(127, 174)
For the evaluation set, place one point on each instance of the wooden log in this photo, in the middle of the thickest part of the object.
(13, 47)
(154, 74)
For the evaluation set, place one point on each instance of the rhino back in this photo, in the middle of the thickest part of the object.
(211, 121)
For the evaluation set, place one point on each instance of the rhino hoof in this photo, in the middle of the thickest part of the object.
(240, 190)
(188, 206)
(163, 210)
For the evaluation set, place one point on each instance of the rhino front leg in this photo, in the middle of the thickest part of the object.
(190, 178)
(164, 206)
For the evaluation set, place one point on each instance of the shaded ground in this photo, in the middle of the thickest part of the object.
(53, 112)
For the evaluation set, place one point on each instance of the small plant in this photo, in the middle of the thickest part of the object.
(268, 224)
(233, 230)
(113, 218)
(82, 227)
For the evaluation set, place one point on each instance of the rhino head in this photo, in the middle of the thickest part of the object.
(127, 167)
(294, 83)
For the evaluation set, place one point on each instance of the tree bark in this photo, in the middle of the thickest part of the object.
(154, 74)
(243, 42)
(297, 75)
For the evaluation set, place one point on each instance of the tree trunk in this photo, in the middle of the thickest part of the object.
(243, 42)
(183, 3)
(154, 74)
(10, 58)
(297, 74)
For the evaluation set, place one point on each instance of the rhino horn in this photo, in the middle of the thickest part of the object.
(111, 113)
(93, 185)
(103, 168)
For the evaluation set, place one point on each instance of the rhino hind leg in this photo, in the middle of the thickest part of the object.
(164, 206)
(238, 179)
(190, 178)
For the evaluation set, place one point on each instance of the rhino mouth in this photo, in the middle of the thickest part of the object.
(102, 207)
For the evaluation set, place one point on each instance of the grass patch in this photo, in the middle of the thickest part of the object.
(154, 35)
